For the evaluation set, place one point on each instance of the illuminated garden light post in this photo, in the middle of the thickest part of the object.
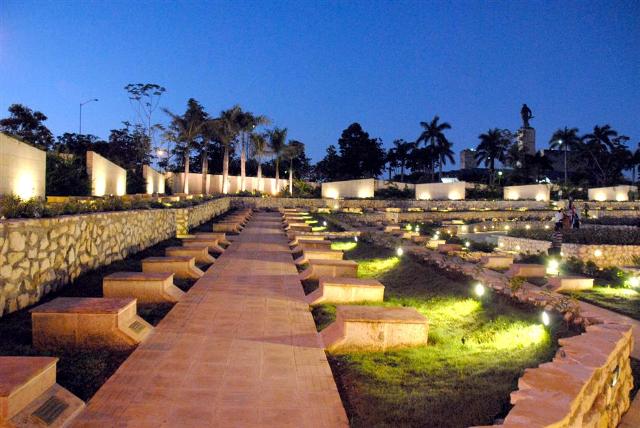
(479, 289)
(399, 251)
(553, 267)
(546, 318)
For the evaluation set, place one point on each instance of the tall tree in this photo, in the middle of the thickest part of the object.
(145, 99)
(228, 130)
(260, 149)
(433, 135)
(328, 168)
(402, 149)
(360, 155)
(294, 149)
(493, 147)
(247, 123)
(186, 129)
(277, 143)
(565, 139)
(27, 125)
(600, 145)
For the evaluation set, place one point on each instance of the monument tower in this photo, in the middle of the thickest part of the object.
(526, 135)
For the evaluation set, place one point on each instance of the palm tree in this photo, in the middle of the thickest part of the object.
(260, 149)
(493, 146)
(597, 144)
(565, 139)
(227, 129)
(401, 152)
(277, 142)
(247, 123)
(635, 164)
(292, 150)
(187, 128)
(433, 135)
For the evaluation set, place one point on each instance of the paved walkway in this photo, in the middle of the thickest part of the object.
(240, 349)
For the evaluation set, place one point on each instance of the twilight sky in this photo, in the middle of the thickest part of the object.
(316, 66)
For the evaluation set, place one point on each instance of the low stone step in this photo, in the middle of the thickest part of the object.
(496, 261)
(346, 290)
(418, 239)
(449, 248)
(375, 328)
(227, 227)
(199, 252)
(390, 229)
(30, 396)
(88, 323)
(199, 239)
(434, 243)
(330, 268)
(220, 236)
(299, 236)
(569, 283)
(305, 244)
(299, 227)
(182, 267)
(145, 287)
(318, 255)
(526, 270)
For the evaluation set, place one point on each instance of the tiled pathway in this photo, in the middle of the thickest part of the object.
(240, 349)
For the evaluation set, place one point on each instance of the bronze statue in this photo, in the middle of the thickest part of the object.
(526, 114)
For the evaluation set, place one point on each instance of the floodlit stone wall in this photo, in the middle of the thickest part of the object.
(522, 245)
(154, 179)
(22, 168)
(214, 184)
(613, 193)
(39, 255)
(349, 189)
(106, 177)
(537, 192)
(441, 191)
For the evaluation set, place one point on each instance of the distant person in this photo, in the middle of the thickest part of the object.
(566, 220)
(586, 211)
(556, 241)
(557, 219)
(575, 220)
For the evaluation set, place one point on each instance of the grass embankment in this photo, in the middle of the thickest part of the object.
(477, 350)
(83, 372)
(625, 301)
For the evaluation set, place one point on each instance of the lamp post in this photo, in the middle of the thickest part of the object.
(81, 104)
(499, 177)
(564, 149)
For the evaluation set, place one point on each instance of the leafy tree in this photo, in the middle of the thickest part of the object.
(401, 151)
(67, 175)
(277, 143)
(184, 130)
(634, 164)
(422, 160)
(79, 144)
(27, 125)
(144, 99)
(328, 169)
(292, 151)
(360, 155)
(433, 135)
(565, 139)
(130, 148)
(608, 152)
(493, 146)
(247, 123)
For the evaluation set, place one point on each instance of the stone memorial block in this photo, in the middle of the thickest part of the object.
(221, 237)
(434, 243)
(330, 268)
(145, 287)
(199, 252)
(298, 236)
(569, 283)
(307, 244)
(496, 261)
(374, 328)
(319, 255)
(88, 323)
(182, 267)
(526, 270)
(449, 248)
(346, 290)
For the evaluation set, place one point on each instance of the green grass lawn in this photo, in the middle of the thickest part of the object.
(477, 351)
(622, 300)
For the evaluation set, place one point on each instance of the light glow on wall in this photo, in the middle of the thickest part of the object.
(25, 185)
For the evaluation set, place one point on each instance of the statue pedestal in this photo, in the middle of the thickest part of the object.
(527, 140)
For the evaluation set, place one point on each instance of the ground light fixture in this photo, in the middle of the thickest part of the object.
(417, 228)
(546, 318)
(553, 267)
(324, 223)
(467, 244)
(355, 239)
(399, 251)
(634, 281)
(479, 289)
(408, 227)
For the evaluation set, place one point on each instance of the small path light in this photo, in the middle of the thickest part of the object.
(467, 244)
(408, 227)
(479, 289)
(399, 251)
(417, 228)
(355, 239)
(598, 252)
(553, 267)
(324, 223)
(546, 318)
(634, 282)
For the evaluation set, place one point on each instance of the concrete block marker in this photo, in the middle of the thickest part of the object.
(227, 227)
(297, 237)
(88, 323)
(318, 255)
(30, 396)
(181, 267)
(434, 243)
(526, 270)
(330, 268)
(145, 287)
(496, 261)
(220, 236)
(346, 290)
(569, 283)
(449, 248)
(375, 328)
(201, 239)
(199, 252)
(304, 245)
(299, 227)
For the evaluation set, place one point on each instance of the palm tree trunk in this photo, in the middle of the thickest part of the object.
(440, 169)
(205, 172)
(243, 159)
(225, 170)
(402, 172)
(492, 168)
(260, 187)
(291, 178)
(185, 187)
(277, 175)
(565, 164)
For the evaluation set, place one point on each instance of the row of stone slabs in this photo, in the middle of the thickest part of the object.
(29, 394)
(356, 327)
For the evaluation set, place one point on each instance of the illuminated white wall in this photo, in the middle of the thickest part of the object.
(441, 191)
(613, 193)
(349, 189)
(106, 177)
(22, 168)
(267, 185)
(154, 179)
(537, 192)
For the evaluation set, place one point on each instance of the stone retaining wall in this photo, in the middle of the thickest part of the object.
(39, 255)
(523, 245)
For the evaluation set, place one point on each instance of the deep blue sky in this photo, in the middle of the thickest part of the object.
(315, 67)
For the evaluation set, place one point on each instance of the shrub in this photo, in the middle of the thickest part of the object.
(393, 192)
(67, 175)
